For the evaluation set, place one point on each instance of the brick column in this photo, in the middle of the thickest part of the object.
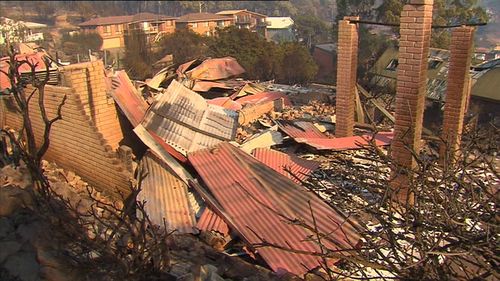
(458, 90)
(415, 31)
(347, 59)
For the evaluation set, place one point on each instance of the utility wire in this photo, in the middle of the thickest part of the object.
(433, 26)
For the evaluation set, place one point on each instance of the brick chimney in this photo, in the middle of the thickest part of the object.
(347, 59)
(458, 90)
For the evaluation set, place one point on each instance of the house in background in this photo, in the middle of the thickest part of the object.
(324, 55)
(247, 19)
(204, 23)
(485, 81)
(384, 71)
(485, 93)
(113, 29)
(20, 31)
(280, 29)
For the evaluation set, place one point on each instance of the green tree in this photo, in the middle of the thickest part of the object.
(446, 12)
(258, 56)
(184, 45)
(361, 8)
(297, 64)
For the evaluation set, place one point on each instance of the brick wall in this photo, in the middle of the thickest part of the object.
(415, 32)
(76, 142)
(458, 90)
(87, 79)
(347, 59)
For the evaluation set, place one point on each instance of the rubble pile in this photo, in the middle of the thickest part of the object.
(31, 251)
(241, 137)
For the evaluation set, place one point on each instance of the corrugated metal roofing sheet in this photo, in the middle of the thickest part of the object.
(252, 194)
(285, 163)
(306, 132)
(127, 97)
(300, 129)
(166, 196)
(210, 221)
(211, 69)
(185, 121)
(346, 143)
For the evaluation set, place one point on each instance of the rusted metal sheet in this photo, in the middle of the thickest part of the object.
(347, 143)
(185, 121)
(127, 97)
(166, 196)
(291, 166)
(210, 221)
(300, 129)
(226, 103)
(264, 97)
(252, 194)
(211, 69)
(306, 132)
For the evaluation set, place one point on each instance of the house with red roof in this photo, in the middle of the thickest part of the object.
(113, 29)
(204, 23)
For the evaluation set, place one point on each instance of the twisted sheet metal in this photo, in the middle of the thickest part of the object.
(166, 196)
(306, 132)
(127, 98)
(254, 196)
(291, 166)
(185, 121)
(300, 129)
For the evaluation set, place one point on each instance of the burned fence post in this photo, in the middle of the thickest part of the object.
(415, 32)
(347, 59)
(457, 91)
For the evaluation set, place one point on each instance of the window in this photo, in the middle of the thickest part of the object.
(107, 29)
(118, 29)
(393, 65)
(205, 24)
(434, 64)
(194, 24)
(220, 23)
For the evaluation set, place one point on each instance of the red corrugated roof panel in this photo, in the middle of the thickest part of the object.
(285, 163)
(127, 97)
(252, 194)
(306, 132)
(210, 221)
(300, 129)
(166, 196)
(346, 143)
